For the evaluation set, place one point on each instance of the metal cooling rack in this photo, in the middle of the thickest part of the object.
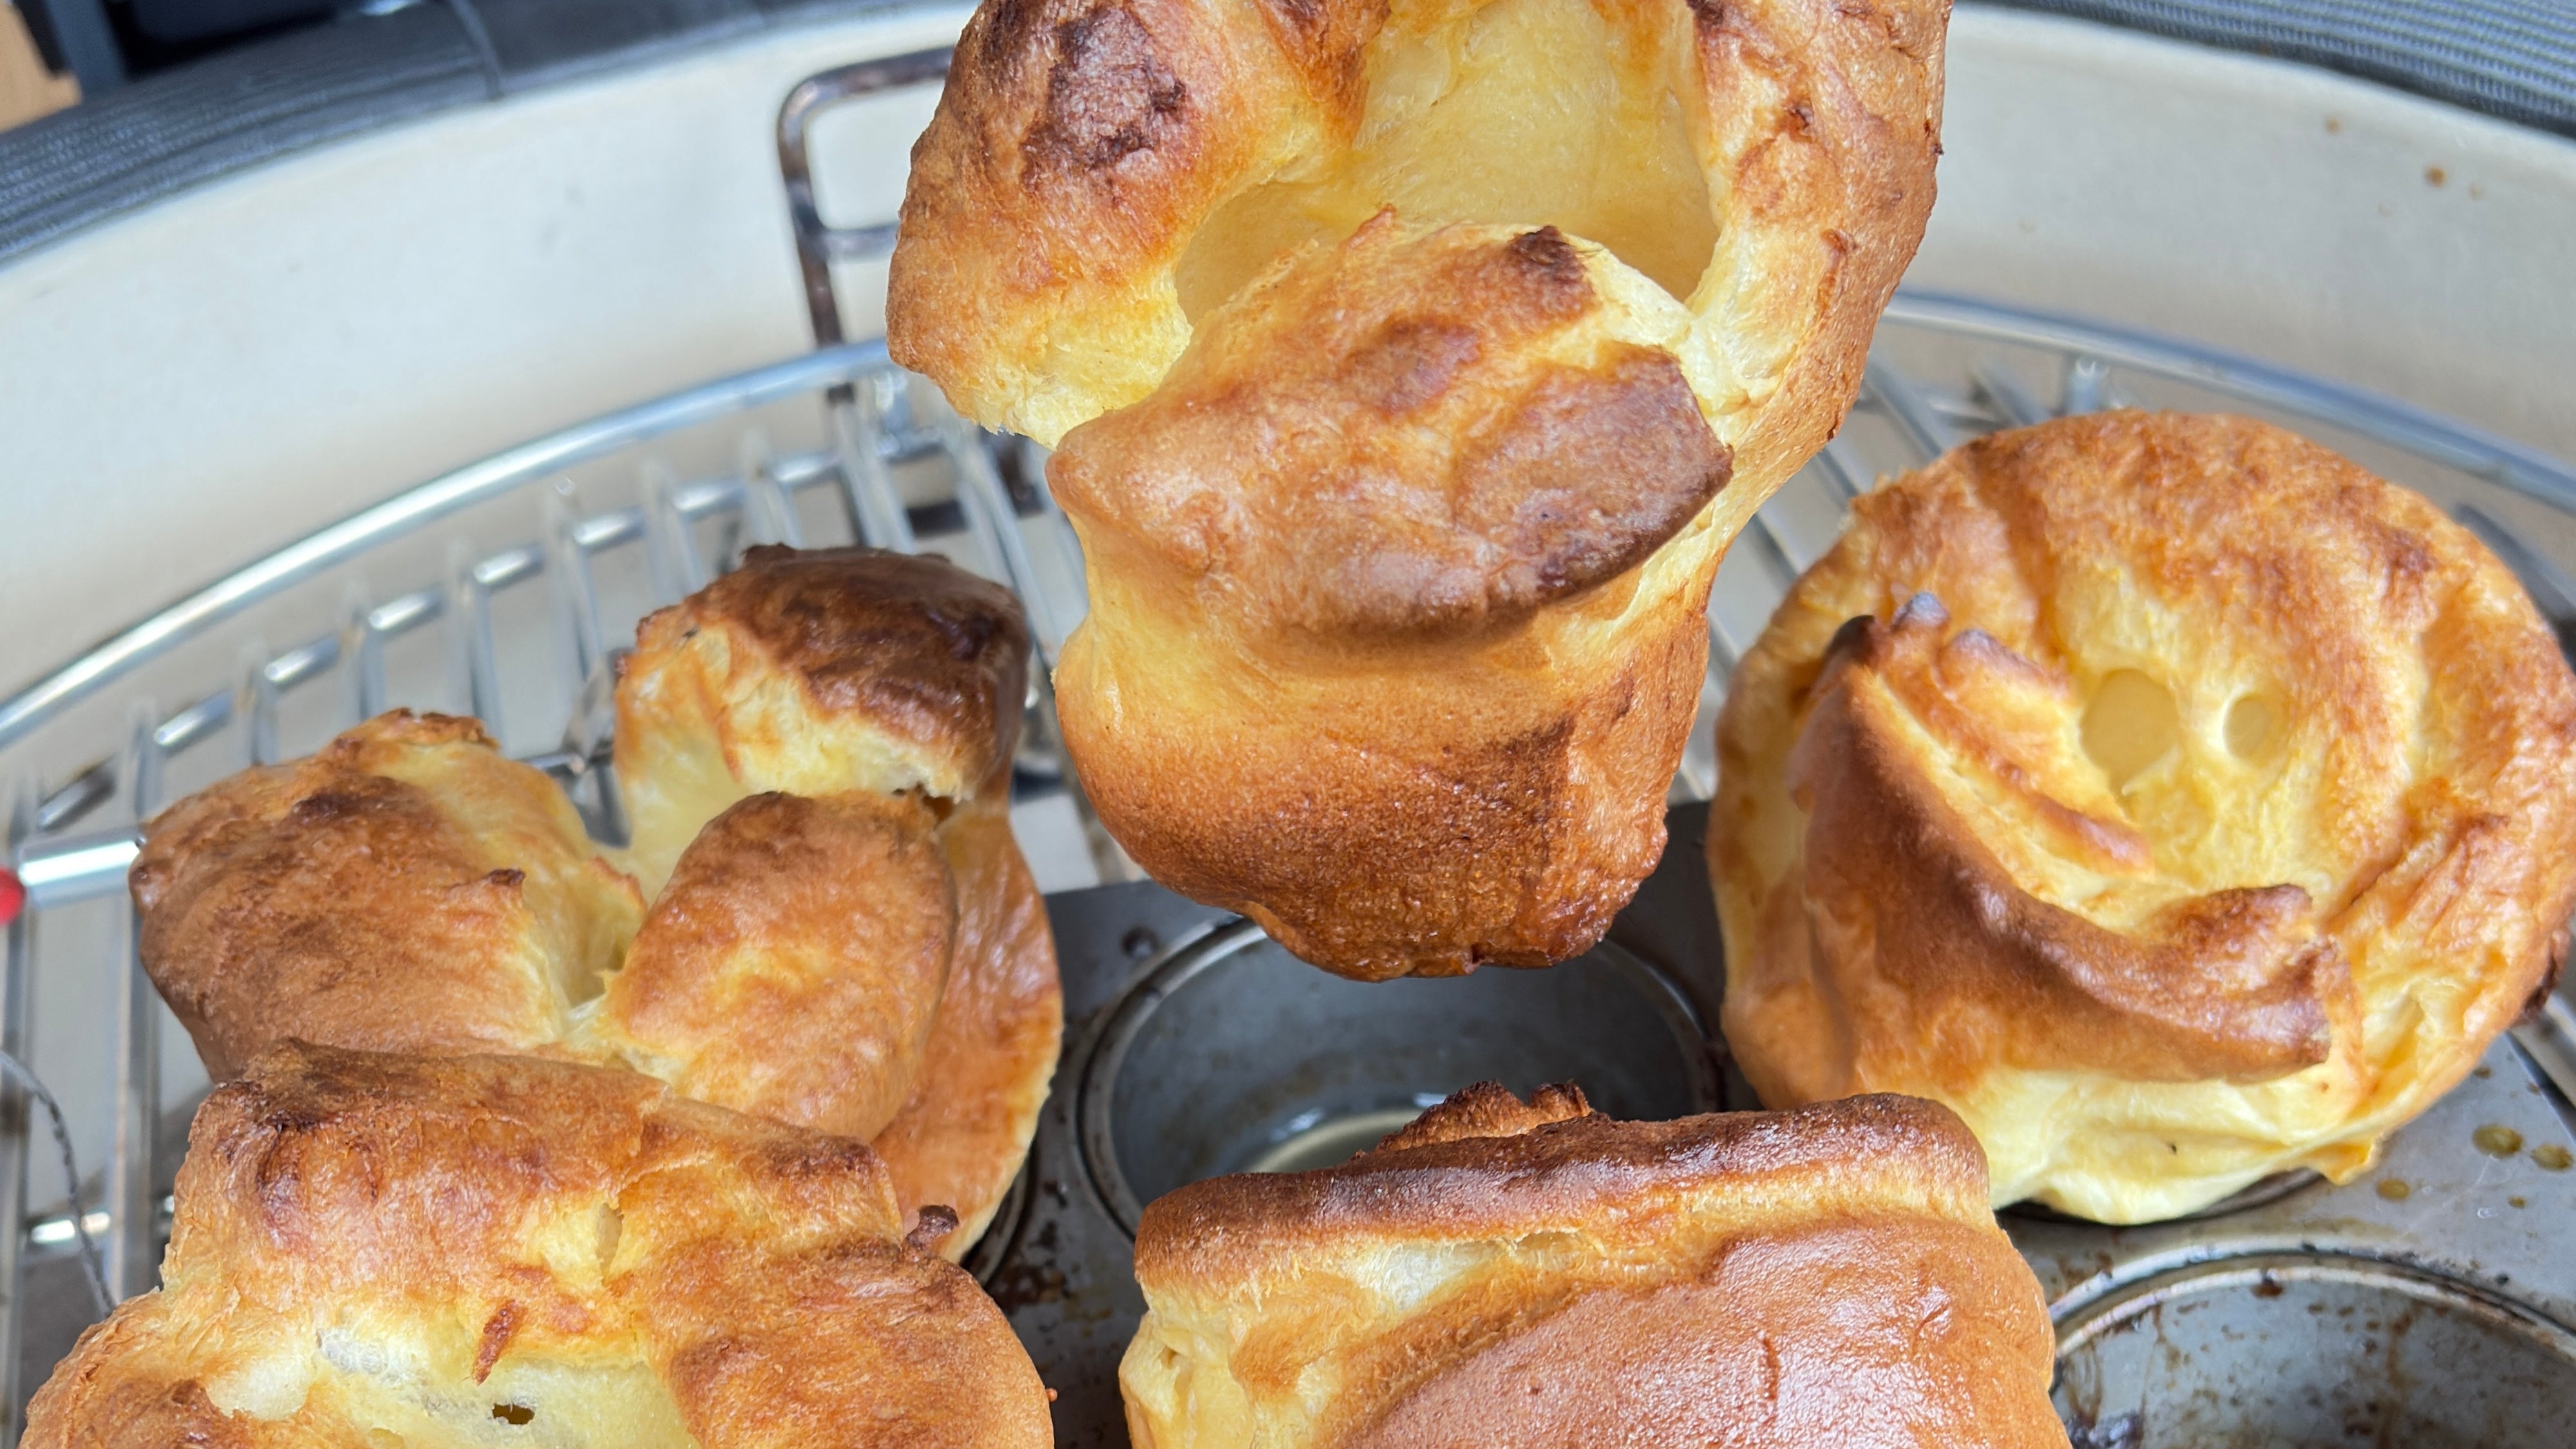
(503, 588)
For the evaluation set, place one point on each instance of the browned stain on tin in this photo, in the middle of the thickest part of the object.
(2552, 1158)
(2436, 176)
(2394, 1189)
(2516, 1202)
(2496, 1140)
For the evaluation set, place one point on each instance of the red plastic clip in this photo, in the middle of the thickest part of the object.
(13, 895)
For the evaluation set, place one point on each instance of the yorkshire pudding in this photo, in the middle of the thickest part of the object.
(846, 938)
(1533, 1274)
(1415, 466)
(2168, 796)
(476, 1250)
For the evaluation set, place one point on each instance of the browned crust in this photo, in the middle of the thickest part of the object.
(1588, 1171)
(877, 639)
(1386, 438)
(1393, 699)
(328, 901)
(89, 1406)
(794, 962)
(1489, 1109)
(960, 1139)
(1494, 804)
(1532, 1273)
(1074, 140)
(1836, 1332)
(2239, 984)
(1845, 99)
(910, 646)
(757, 1270)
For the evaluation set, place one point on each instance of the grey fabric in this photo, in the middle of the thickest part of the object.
(2510, 58)
(182, 127)
(198, 122)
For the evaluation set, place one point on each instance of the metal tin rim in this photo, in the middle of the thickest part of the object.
(2083, 1322)
(1137, 1004)
(991, 1251)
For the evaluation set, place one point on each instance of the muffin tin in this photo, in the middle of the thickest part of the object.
(2425, 1304)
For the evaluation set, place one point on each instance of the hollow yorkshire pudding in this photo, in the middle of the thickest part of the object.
(1410, 465)
(1536, 1275)
(858, 670)
(2166, 795)
(472, 1250)
(842, 933)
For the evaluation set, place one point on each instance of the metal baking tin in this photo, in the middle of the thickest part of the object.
(2429, 1303)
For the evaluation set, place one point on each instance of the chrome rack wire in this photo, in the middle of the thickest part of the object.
(409, 603)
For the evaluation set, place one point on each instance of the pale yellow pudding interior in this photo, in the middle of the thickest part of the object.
(392, 1381)
(1517, 113)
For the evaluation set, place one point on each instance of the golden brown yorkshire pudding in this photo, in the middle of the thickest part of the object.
(2166, 795)
(866, 955)
(1442, 348)
(473, 1250)
(985, 1068)
(1536, 1275)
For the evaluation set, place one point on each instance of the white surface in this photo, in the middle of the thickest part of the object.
(2282, 211)
(187, 387)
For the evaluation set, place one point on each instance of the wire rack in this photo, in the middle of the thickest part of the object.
(504, 589)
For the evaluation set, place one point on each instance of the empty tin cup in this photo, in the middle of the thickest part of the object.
(2307, 1351)
(1237, 1057)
